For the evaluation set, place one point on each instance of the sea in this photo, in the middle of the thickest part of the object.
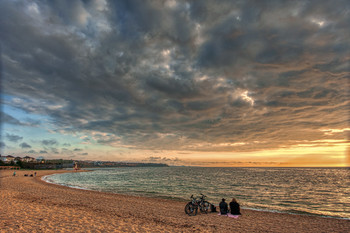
(322, 192)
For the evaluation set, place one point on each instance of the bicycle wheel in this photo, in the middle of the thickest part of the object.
(205, 206)
(191, 209)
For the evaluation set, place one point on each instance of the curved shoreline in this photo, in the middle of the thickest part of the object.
(42, 178)
(33, 205)
(182, 200)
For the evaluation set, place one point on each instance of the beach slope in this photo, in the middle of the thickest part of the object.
(29, 204)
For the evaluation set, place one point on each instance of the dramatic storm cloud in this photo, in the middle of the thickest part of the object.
(193, 76)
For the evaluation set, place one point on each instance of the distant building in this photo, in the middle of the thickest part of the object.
(10, 158)
(40, 159)
(17, 159)
(7, 159)
(28, 159)
(3, 158)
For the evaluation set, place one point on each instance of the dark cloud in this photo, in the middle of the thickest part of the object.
(77, 149)
(54, 150)
(43, 152)
(24, 145)
(185, 75)
(31, 151)
(13, 138)
(49, 142)
(86, 139)
(32, 122)
(10, 120)
(6, 118)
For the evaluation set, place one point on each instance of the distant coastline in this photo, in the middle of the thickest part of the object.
(38, 164)
(106, 164)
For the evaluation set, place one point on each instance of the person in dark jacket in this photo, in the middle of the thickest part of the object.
(234, 207)
(223, 207)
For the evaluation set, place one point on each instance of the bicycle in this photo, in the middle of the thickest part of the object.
(191, 207)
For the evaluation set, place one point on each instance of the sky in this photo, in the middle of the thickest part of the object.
(193, 83)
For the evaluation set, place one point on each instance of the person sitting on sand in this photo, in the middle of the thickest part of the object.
(223, 207)
(234, 207)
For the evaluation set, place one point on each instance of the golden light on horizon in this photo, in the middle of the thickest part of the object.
(329, 154)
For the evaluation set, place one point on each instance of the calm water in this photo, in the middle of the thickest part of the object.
(312, 191)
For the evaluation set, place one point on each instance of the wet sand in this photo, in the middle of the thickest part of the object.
(29, 204)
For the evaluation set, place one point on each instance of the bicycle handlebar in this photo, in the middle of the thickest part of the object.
(203, 196)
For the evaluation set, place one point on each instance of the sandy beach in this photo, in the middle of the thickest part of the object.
(29, 204)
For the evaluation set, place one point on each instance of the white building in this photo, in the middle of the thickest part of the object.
(7, 159)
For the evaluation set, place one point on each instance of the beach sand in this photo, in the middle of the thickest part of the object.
(29, 204)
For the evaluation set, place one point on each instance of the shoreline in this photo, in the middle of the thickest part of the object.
(32, 204)
(185, 201)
